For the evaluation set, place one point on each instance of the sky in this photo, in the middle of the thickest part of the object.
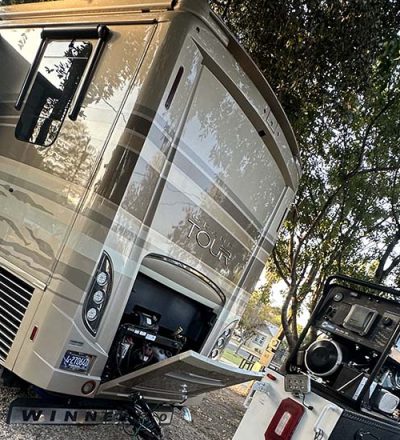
(278, 295)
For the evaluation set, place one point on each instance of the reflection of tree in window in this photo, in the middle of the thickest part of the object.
(58, 77)
(230, 150)
(74, 153)
(72, 157)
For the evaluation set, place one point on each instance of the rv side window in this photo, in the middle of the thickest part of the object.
(57, 79)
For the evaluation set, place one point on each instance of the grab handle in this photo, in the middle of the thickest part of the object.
(317, 428)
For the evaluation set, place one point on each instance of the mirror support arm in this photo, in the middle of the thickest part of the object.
(101, 32)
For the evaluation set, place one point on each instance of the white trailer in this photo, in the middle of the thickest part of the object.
(345, 385)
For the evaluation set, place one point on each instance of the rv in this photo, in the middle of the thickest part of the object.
(145, 169)
(342, 379)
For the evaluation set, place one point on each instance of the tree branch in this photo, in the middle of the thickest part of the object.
(381, 273)
(370, 126)
(277, 263)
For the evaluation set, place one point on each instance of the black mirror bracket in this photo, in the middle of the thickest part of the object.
(103, 33)
(100, 32)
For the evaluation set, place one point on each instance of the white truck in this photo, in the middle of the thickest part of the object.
(345, 384)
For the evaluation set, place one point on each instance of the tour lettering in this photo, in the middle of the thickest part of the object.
(205, 241)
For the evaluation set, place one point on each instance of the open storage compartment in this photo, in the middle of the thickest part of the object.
(169, 315)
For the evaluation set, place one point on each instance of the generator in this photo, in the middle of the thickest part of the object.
(342, 379)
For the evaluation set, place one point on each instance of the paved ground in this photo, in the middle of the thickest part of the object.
(232, 345)
(216, 419)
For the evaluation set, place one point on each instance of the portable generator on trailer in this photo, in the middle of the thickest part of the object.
(341, 384)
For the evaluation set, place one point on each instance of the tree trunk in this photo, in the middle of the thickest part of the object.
(286, 317)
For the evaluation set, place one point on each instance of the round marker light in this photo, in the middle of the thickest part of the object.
(102, 278)
(227, 332)
(88, 387)
(220, 342)
(91, 314)
(214, 353)
(98, 296)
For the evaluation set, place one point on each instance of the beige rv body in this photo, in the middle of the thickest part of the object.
(189, 192)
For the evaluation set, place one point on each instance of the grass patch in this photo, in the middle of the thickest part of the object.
(231, 356)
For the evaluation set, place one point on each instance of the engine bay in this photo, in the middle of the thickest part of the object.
(158, 323)
(355, 355)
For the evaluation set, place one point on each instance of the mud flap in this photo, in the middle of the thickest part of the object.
(176, 379)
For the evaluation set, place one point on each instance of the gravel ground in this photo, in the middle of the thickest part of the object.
(216, 419)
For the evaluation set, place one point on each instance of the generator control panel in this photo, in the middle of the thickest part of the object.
(365, 319)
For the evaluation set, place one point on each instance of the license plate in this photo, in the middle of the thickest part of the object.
(79, 362)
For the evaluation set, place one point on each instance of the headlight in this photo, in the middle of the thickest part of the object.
(214, 354)
(98, 294)
(220, 342)
(91, 314)
(227, 333)
(102, 278)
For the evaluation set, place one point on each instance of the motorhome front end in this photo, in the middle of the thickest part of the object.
(145, 168)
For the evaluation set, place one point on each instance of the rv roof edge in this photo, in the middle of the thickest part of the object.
(30, 10)
(259, 80)
(199, 8)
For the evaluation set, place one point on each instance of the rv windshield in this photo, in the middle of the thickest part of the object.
(58, 76)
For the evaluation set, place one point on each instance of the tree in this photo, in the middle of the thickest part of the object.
(255, 316)
(388, 248)
(340, 89)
